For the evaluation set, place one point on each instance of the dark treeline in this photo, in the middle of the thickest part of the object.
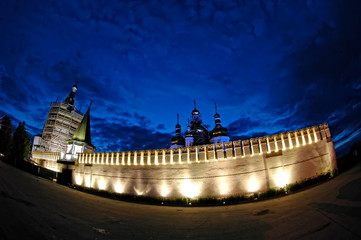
(16, 147)
(350, 159)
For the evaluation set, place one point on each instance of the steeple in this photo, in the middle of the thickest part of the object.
(178, 127)
(189, 139)
(219, 133)
(70, 99)
(177, 140)
(188, 127)
(82, 133)
(81, 141)
(196, 115)
(217, 117)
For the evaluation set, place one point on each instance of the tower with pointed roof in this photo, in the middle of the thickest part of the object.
(219, 133)
(81, 141)
(62, 121)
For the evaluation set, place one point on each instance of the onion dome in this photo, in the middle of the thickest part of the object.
(218, 130)
(75, 87)
(195, 112)
(189, 135)
(178, 126)
(196, 115)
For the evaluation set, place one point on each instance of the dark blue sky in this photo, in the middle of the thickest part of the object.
(271, 66)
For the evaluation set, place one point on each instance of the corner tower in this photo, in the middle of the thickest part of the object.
(81, 141)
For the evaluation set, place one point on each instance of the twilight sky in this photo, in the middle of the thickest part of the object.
(271, 66)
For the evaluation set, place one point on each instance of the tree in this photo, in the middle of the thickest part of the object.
(5, 136)
(21, 143)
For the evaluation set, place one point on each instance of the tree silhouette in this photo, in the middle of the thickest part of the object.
(5, 136)
(21, 144)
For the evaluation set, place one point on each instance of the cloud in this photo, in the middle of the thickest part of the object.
(117, 137)
(270, 66)
(322, 73)
(242, 126)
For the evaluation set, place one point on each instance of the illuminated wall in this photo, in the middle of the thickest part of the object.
(213, 170)
(48, 160)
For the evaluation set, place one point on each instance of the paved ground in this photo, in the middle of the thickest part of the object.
(35, 208)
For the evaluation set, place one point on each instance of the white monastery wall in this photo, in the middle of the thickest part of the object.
(48, 160)
(213, 170)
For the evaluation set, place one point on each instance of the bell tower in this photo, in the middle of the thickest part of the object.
(70, 100)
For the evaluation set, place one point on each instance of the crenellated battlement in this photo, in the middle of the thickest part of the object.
(212, 170)
(211, 152)
(49, 156)
(48, 160)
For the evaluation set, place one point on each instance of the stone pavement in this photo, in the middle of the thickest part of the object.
(36, 208)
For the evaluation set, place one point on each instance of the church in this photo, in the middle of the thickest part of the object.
(197, 133)
(61, 124)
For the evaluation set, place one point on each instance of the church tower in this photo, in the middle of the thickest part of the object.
(62, 121)
(70, 100)
(219, 133)
(196, 115)
(177, 141)
(189, 135)
(197, 130)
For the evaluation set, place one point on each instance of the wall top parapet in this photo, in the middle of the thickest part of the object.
(238, 148)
